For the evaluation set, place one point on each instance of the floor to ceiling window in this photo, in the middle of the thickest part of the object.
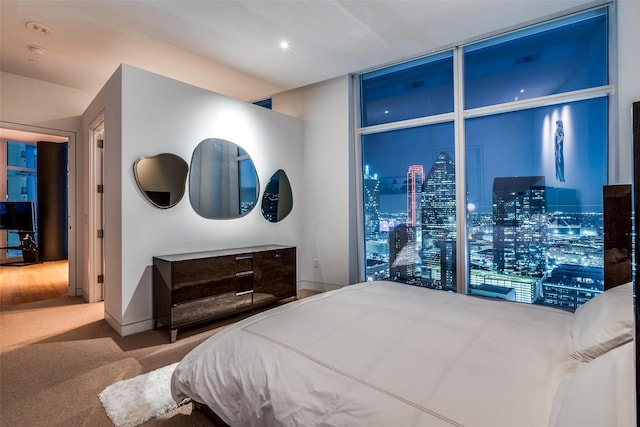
(530, 130)
(21, 183)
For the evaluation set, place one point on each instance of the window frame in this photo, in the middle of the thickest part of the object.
(460, 115)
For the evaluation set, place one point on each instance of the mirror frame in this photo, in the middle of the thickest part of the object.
(277, 203)
(164, 176)
(218, 169)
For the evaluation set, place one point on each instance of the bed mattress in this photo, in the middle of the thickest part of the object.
(383, 354)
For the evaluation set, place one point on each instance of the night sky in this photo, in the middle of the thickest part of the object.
(512, 144)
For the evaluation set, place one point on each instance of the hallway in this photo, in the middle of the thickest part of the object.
(29, 283)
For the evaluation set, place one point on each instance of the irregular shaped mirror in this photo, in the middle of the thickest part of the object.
(277, 200)
(161, 179)
(223, 183)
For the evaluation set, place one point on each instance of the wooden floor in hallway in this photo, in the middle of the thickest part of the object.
(35, 282)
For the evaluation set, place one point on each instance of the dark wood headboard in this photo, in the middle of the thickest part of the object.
(618, 225)
(636, 209)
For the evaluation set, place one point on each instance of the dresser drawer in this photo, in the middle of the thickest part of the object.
(197, 270)
(184, 292)
(203, 309)
(192, 288)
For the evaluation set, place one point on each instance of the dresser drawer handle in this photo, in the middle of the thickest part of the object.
(244, 273)
(239, 294)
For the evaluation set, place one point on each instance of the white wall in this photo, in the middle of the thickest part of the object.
(108, 105)
(327, 259)
(161, 115)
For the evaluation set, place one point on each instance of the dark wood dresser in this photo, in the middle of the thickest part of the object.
(197, 287)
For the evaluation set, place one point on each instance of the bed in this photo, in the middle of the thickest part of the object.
(387, 354)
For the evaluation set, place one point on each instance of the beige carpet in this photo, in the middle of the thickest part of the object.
(56, 356)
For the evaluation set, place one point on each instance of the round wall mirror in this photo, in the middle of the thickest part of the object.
(161, 179)
(277, 200)
(223, 183)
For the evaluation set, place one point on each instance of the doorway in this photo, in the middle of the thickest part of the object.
(55, 278)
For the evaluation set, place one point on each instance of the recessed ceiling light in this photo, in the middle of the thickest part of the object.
(39, 28)
(284, 45)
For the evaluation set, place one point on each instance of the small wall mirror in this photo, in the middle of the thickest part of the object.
(161, 179)
(223, 183)
(277, 200)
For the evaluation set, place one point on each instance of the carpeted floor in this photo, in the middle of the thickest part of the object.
(56, 356)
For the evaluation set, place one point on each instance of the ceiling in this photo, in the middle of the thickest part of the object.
(89, 39)
(24, 136)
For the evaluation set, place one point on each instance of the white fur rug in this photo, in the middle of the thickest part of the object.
(136, 400)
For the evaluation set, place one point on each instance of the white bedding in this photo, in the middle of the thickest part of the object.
(384, 354)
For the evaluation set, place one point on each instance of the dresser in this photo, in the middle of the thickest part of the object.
(193, 288)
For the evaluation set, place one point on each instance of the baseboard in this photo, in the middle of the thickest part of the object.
(130, 329)
(113, 323)
(317, 286)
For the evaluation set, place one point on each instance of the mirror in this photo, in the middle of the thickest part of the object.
(161, 179)
(223, 183)
(277, 200)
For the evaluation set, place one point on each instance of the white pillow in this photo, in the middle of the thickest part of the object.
(600, 393)
(603, 323)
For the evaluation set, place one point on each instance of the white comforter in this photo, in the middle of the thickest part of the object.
(384, 354)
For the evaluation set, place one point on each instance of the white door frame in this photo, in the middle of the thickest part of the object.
(72, 234)
(96, 210)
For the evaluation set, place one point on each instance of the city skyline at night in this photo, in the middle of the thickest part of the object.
(519, 251)
(530, 175)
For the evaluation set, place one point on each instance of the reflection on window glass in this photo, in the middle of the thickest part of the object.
(558, 57)
(415, 89)
(535, 230)
(247, 180)
(409, 206)
(223, 182)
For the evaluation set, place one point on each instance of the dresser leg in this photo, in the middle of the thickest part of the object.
(174, 335)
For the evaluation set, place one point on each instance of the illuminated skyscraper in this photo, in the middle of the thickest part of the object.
(415, 179)
(438, 222)
(519, 233)
(402, 255)
(371, 204)
(569, 286)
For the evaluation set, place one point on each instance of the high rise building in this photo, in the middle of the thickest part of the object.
(371, 204)
(519, 232)
(569, 286)
(402, 255)
(415, 179)
(438, 224)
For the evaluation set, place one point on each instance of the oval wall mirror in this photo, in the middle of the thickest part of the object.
(161, 179)
(277, 200)
(223, 183)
